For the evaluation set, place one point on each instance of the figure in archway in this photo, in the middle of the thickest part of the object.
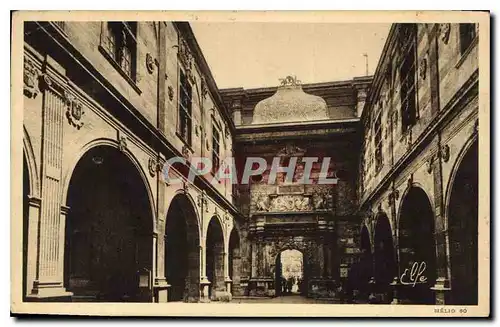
(289, 272)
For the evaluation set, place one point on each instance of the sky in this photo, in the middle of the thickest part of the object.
(251, 55)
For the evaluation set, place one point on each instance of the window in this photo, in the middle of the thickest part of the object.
(185, 121)
(119, 42)
(378, 140)
(215, 148)
(407, 40)
(467, 35)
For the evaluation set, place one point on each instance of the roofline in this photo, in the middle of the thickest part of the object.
(319, 85)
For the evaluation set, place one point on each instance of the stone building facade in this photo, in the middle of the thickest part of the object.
(107, 104)
(417, 190)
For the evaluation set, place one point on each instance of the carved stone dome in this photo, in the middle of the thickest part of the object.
(290, 104)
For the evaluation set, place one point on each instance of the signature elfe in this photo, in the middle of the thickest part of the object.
(414, 275)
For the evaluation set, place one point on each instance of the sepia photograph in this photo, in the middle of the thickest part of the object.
(250, 164)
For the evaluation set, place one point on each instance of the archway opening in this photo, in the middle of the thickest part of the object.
(289, 278)
(384, 258)
(182, 254)
(108, 229)
(235, 262)
(463, 230)
(215, 257)
(417, 247)
(26, 193)
(360, 272)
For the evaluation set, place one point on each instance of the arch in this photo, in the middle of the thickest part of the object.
(234, 261)
(214, 245)
(182, 254)
(293, 279)
(385, 268)
(67, 174)
(109, 228)
(462, 222)
(417, 247)
(365, 239)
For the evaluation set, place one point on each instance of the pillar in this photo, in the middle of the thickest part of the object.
(33, 218)
(49, 272)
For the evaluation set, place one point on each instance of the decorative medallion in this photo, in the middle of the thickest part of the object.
(423, 69)
(30, 77)
(74, 111)
(410, 181)
(170, 92)
(445, 30)
(445, 152)
(185, 186)
(122, 143)
(150, 63)
(154, 166)
(393, 196)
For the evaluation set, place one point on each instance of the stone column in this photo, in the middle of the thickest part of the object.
(33, 219)
(161, 282)
(204, 282)
(442, 285)
(49, 274)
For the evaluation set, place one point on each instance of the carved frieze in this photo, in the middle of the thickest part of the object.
(285, 203)
(291, 150)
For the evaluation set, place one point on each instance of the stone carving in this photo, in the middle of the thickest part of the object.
(285, 203)
(185, 151)
(321, 201)
(186, 58)
(74, 112)
(204, 88)
(154, 166)
(170, 92)
(290, 81)
(122, 143)
(291, 150)
(150, 64)
(445, 152)
(423, 69)
(445, 30)
(262, 203)
(30, 77)
(393, 196)
(430, 163)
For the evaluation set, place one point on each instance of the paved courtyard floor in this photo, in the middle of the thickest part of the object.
(288, 299)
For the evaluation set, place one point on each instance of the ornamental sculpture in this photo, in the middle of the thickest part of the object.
(290, 81)
(30, 77)
(287, 203)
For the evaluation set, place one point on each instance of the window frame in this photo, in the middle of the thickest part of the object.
(216, 146)
(182, 110)
(124, 36)
(408, 71)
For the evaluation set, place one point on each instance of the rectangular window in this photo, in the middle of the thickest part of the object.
(120, 43)
(467, 35)
(185, 96)
(215, 149)
(407, 41)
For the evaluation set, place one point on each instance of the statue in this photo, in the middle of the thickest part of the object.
(321, 201)
(263, 203)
